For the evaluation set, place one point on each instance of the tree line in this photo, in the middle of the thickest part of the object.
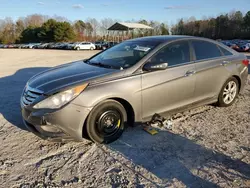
(233, 25)
(40, 28)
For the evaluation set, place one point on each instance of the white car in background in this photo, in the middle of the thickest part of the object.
(84, 46)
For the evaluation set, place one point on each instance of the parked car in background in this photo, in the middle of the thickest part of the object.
(61, 46)
(84, 46)
(104, 45)
(245, 47)
(49, 45)
(10, 46)
(30, 45)
(237, 45)
(41, 46)
(99, 44)
(108, 45)
(129, 83)
(70, 46)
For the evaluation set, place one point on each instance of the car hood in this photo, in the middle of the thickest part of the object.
(67, 75)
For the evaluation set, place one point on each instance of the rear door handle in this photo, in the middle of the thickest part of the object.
(225, 63)
(190, 73)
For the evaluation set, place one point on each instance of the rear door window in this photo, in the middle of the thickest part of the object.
(205, 50)
(174, 54)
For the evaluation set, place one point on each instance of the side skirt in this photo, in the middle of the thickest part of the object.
(197, 104)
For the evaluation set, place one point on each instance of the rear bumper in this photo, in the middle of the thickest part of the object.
(61, 125)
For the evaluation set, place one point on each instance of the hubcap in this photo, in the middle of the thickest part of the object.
(229, 92)
(109, 122)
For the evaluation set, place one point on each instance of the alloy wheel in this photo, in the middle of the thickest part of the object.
(230, 92)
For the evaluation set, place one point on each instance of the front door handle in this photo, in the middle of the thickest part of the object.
(190, 73)
(225, 63)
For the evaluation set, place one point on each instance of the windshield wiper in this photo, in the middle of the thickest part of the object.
(103, 65)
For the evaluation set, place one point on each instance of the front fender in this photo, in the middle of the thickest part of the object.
(128, 89)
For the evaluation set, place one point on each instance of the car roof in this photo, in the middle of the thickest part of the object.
(166, 38)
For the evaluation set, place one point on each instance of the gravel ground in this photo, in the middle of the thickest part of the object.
(207, 147)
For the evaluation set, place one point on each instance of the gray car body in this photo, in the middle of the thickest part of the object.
(143, 93)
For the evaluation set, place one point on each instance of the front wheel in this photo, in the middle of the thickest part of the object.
(106, 122)
(229, 92)
(91, 48)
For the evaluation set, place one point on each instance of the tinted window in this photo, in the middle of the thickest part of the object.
(225, 52)
(205, 50)
(173, 54)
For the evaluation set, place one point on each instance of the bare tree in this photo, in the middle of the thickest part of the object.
(105, 24)
(34, 20)
(95, 25)
(60, 18)
(7, 31)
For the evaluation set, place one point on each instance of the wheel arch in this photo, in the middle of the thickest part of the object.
(239, 80)
(129, 109)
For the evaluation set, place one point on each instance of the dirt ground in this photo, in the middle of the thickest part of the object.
(208, 146)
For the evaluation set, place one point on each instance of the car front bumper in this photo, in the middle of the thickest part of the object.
(61, 125)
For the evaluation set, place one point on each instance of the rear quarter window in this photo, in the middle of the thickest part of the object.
(225, 51)
(205, 50)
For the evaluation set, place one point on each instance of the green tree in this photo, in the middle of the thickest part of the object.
(164, 29)
(53, 31)
(246, 25)
(79, 28)
(30, 34)
(63, 32)
(224, 26)
(47, 31)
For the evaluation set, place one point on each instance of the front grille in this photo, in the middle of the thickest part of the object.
(30, 95)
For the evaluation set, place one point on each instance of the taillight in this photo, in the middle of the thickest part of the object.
(245, 62)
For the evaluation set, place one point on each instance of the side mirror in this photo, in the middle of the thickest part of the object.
(155, 67)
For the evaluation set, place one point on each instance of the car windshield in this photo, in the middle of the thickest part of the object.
(123, 55)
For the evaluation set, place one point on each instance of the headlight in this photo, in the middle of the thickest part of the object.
(58, 100)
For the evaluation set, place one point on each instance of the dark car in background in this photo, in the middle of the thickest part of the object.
(98, 45)
(104, 45)
(238, 45)
(108, 45)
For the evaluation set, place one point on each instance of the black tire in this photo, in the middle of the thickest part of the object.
(221, 101)
(97, 127)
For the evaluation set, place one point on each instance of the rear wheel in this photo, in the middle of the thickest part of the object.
(229, 92)
(106, 122)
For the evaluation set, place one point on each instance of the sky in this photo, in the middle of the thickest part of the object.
(168, 11)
